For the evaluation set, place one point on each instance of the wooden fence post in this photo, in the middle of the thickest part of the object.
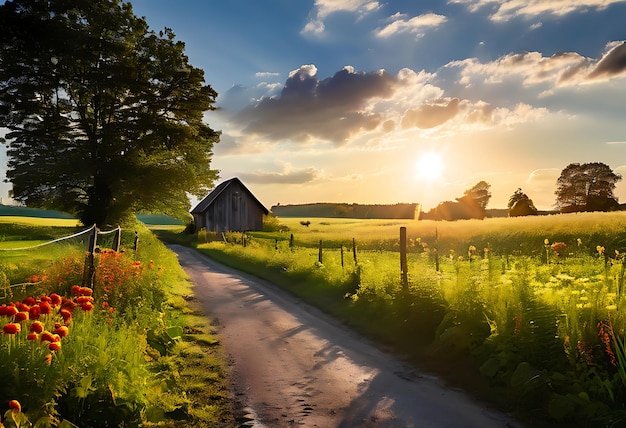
(403, 261)
(117, 239)
(319, 256)
(291, 242)
(89, 269)
(136, 244)
(342, 257)
(354, 251)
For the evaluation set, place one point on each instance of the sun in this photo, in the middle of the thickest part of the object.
(430, 166)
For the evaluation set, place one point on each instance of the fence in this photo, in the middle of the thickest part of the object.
(91, 246)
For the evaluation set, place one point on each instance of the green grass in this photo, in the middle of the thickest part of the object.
(504, 316)
(112, 376)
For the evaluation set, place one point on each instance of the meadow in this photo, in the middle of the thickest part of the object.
(525, 312)
(127, 349)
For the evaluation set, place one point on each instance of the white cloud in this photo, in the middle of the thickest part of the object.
(504, 10)
(324, 8)
(416, 25)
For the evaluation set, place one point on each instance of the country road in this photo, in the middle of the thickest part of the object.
(292, 365)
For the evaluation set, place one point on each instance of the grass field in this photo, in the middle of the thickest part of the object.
(529, 312)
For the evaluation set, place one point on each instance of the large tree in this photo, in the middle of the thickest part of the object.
(586, 187)
(105, 116)
(473, 204)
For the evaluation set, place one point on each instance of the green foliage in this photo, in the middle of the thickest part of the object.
(106, 372)
(120, 102)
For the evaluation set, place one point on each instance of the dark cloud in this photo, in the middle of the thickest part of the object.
(431, 115)
(332, 109)
(613, 63)
(300, 176)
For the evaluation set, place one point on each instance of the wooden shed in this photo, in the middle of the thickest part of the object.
(229, 207)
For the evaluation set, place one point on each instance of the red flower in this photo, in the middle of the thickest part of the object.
(75, 290)
(62, 331)
(21, 316)
(66, 314)
(22, 307)
(54, 346)
(45, 299)
(32, 336)
(45, 307)
(55, 299)
(34, 312)
(15, 406)
(87, 306)
(36, 327)
(83, 299)
(48, 359)
(8, 311)
(11, 328)
(46, 336)
(86, 291)
(29, 301)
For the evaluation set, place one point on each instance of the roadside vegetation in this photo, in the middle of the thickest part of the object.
(527, 312)
(131, 350)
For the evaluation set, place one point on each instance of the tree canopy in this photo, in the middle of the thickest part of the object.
(586, 187)
(472, 204)
(105, 116)
(521, 205)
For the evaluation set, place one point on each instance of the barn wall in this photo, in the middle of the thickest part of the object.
(234, 210)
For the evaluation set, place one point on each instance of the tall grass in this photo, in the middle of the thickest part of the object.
(521, 300)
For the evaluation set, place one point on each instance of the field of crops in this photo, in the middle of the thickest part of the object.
(536, 305)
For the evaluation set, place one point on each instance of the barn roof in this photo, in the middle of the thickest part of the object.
(211, 197)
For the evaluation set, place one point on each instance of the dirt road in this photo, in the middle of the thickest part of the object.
(294, 366)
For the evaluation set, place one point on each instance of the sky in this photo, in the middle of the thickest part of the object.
(382, 102)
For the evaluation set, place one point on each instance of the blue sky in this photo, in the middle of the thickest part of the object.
(365, 101)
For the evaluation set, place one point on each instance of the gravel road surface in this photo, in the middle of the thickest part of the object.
(292, 365)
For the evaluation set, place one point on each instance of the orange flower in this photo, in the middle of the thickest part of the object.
(66, 314)
(62, 331)
(12, 328)
(86, 291)
(15, 406)
(75, 290)
(46, 336)
(54, 346)
(32, 336)
(48, 359)
(36, 327)
(87, 306)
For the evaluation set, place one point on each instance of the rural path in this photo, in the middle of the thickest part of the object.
(292, 365)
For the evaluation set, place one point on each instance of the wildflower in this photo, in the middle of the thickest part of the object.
(559, 248)
(546, 242)
(67, 315)
(45, 308)
(21, 316)
(579, 242)
(62, 331)
(36, 327)
(15, 406)
(54, 346)
(22, 307)
(46, 336)
(32, 336)
(48, 359)
(87, 306)
(29, 301)
(75, 290)
(83, 299)
(600, 249)
(34, 312)
(11, 328)
(55, 299)
(85, 291)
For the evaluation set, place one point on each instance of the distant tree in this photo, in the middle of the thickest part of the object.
(105, 117)
(586, 187)
(472, 204)
(521, 205)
